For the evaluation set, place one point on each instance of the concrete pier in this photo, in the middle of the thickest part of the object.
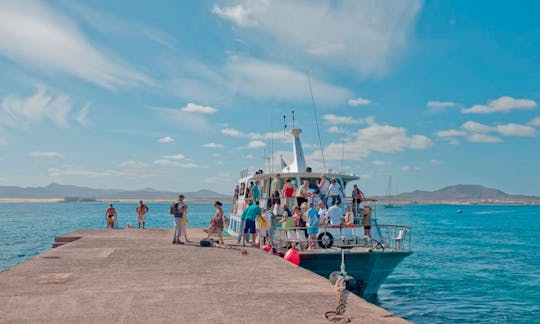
(138, 276)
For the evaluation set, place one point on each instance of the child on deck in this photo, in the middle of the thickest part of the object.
(216, 223)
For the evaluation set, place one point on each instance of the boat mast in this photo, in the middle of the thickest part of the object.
(317, 122)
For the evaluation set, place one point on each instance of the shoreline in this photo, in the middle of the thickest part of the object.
(212, 200)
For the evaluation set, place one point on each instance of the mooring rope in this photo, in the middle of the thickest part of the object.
(338, 315)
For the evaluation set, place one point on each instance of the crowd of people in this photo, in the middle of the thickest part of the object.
(297, 212)
(306, 208)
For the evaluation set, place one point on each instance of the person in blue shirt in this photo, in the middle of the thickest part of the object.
(313, 226)
(256, 192)
(249, 217)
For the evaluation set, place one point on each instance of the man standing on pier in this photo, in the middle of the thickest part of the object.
(177, 210)
(141, 210)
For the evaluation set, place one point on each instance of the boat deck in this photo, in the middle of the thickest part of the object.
(138, 276)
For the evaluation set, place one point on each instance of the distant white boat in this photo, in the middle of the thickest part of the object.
(390, 203)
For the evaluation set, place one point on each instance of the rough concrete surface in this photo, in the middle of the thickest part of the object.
(138, 276)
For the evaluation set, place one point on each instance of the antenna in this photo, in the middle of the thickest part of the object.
(271, 144)
(293, 119)
(316, 122)
(342, 153)
(284, 124)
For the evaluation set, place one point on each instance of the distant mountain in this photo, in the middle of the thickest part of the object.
(55, 190)
(462, 192)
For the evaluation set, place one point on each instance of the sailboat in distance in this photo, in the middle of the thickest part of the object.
(390, 203)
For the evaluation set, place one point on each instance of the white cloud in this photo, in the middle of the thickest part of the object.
(175, 157)
(358, 102)
(193, 108)
(535, 122)
(516, 130)
(336, 130)
(350, 34)
(254, 136)
(335, 120)
(405, 168)
(250, 157)
(374, 138)
(378, 162)
(19, 112)
(82, 116)
(435, 161)
(166, 139)
(132, 164)
(46, 155)
(441, 104)
(237, 14)
(476, 127)
(81, 171)
(502, 104)
(231, 132)
(213, 145)
(193, 121)
(176, 164)
(256, 144)
(263, 79)
(33, 34)
(483, 138)
(480, 133)
(450, 133)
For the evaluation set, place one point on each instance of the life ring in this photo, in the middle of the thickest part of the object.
(325, 240)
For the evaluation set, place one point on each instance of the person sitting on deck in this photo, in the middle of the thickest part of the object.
(216, 223)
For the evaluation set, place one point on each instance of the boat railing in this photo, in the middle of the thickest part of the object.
(383, 238)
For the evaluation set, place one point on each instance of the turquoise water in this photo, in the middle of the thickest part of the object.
(480, 266)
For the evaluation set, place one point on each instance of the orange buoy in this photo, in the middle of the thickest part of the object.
(267, 248)
(292, 256)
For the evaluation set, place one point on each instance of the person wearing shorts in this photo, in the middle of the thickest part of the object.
(313, 226)
(110, 216)
(251, 214)
(141, 210)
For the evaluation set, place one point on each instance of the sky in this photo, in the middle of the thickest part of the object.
(183, 95)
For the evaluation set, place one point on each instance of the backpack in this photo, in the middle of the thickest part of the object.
(173, 210)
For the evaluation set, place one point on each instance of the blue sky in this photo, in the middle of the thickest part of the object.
(180, 95)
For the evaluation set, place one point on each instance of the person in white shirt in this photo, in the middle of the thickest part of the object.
(334, 191)
(322, 213)
(335, 214)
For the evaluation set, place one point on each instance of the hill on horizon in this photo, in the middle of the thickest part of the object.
(56, 190)
(462, 192)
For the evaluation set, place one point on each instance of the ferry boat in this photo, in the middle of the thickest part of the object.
(369, 260)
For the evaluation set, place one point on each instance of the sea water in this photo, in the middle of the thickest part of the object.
(478, 266)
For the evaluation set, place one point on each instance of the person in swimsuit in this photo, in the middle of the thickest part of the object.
(216, 223)
(110, 216)
(141, 210)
